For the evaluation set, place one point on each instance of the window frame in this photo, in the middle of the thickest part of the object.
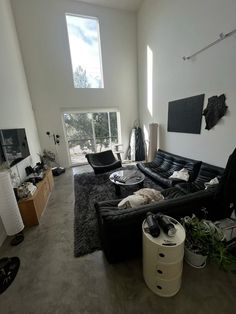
(99, 48)
(90, 110)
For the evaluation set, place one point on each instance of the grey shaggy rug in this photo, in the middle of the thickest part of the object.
(90, 188)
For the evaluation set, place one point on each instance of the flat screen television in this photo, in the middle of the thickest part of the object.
(13, 146)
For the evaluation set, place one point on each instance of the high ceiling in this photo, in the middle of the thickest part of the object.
(130, 5)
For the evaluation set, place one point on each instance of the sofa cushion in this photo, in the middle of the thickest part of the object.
(164, 165)
(206, 173)
(173, 192)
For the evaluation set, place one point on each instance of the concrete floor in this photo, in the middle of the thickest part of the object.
(51, 280)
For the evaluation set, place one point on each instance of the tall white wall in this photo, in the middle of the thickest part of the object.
(43, 38)
(173, 29)
(15, 105)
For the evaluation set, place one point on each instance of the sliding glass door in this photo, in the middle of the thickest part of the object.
(90, 132)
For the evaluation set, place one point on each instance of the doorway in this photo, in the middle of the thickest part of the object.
(90, 132)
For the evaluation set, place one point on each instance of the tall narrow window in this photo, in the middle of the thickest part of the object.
(85, 50)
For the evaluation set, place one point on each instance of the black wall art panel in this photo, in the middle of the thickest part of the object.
(185, 115)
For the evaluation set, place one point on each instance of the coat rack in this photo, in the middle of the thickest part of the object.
(222, 36)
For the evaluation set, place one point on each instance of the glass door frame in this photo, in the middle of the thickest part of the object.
(64, 110)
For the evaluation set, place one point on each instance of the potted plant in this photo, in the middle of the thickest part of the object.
(204, 240)
(197, 241)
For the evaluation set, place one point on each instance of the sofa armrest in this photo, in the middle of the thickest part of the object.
(113, 204)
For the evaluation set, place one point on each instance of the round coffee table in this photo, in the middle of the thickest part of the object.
(132, 177)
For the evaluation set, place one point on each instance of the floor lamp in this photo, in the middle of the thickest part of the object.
(9, 210)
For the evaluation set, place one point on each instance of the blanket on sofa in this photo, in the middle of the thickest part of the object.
(90, 188)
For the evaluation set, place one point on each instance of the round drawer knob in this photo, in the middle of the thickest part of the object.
(162, 255)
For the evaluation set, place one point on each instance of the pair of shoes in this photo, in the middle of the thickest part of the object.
(8, 271)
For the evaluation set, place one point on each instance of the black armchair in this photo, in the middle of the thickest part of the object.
(103, 162)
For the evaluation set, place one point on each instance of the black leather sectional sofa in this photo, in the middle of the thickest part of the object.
(163, 166)
(120, 229)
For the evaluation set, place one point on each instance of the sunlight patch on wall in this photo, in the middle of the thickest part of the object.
(150, 80)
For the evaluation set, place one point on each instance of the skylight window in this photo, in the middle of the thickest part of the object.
(85, 50)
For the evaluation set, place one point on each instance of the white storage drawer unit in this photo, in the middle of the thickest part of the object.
(163, 263)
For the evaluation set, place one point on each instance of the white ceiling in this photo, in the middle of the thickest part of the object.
(130, 5)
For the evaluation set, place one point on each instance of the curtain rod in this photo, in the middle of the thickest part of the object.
(222, 36)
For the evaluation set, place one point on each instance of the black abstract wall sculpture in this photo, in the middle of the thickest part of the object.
(215, 110)
(185, 115)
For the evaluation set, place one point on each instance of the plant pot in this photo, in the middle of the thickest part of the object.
(194, 259)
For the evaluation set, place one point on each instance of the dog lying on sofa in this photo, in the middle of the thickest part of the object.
(141, 197)
(120, 229)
